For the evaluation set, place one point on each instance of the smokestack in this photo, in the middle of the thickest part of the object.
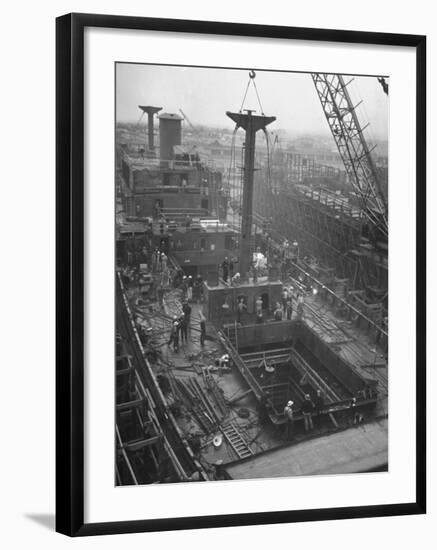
(170, 134)
(150, 126)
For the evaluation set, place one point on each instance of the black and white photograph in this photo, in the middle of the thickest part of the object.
(216, 219)
(251, 276)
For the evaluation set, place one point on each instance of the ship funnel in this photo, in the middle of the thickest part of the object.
(170, 134)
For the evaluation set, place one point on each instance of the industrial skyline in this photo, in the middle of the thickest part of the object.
(289, 96)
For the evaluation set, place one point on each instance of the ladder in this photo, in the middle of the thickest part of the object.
(238, 444)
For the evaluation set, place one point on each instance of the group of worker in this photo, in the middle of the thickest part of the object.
(234, 278)
(159, 261)
(192, 288)
(282, 311)
(308, 409)
(180, 327)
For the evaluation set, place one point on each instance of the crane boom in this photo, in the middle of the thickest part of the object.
(352, 146)
(187, 119)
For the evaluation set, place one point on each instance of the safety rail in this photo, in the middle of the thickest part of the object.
(380, 332)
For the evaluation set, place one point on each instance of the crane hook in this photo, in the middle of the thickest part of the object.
(252, 74)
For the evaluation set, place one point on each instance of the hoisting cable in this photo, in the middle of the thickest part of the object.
(245, 94)
(257, 95)
(139, 120)
(252, 76)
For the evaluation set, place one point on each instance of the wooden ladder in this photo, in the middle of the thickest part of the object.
(238, 444)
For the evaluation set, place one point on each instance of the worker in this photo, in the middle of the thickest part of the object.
(284, 299)
(163, 261)
(225, 267)
(183, 328)
(197, 289)
(259, 306)
(223, 362)
(241, 308)
(307, 410)
(190, 288)
(277, 314)
(300, 303)
(289, 309)
(289, 420)
(357, 417)
(186, 308)
(173, 330)
(231, 268)
(236, 279)
(202, 321)
(184, 287)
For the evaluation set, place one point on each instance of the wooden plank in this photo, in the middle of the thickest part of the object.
(239, 396)
(130, 404)
(137, 445)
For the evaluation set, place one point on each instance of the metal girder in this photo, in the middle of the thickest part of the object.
(352, 146)
(251, 124)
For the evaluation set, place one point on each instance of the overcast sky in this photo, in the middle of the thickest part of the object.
(205, 94)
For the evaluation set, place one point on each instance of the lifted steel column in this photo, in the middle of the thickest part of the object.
(251, 124)
(150, 126)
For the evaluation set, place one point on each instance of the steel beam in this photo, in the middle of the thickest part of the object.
(251, 124)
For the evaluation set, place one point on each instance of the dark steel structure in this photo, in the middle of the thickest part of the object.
(251, 124)
(151, 111)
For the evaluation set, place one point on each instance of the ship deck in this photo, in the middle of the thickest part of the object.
(357, 449)
(212, 404)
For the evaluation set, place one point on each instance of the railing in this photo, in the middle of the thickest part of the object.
(355, 313)
(176, 445)
(335, 202)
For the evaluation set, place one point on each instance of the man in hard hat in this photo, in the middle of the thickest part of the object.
(241, 308)
(307, 411)
(190, 288)
(202, 323)
(174, 334)
(289, 417)
(224, 361)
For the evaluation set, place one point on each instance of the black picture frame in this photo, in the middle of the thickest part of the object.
(70, 273)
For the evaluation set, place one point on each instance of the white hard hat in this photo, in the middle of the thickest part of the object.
(290, 403)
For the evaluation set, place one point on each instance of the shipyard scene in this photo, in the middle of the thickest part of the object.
(251, 276)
